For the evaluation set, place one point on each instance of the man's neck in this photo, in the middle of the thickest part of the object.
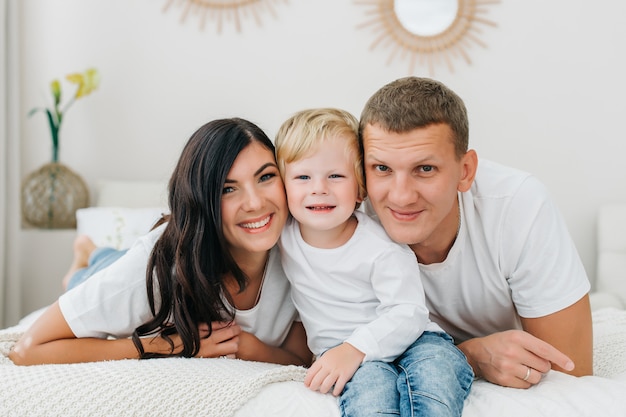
(436, 250)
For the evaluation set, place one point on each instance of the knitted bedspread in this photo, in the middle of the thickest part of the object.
(221, 387)
(157, 387)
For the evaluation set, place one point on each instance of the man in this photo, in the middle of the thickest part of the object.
(500, 271)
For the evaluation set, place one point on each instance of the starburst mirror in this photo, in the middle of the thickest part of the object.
(427, 32)
(218, 12)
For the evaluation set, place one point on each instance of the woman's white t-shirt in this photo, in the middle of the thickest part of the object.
(114, 301)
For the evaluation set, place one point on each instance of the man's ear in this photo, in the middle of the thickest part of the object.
(469, 165)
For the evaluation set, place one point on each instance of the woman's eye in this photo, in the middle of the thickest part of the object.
(335, 176)
(227, 190)
(381, 168)
(267, 177)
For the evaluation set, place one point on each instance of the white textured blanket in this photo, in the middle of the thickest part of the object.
(224, 387)
(160, 387)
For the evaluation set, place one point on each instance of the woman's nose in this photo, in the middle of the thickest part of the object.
(254, 200)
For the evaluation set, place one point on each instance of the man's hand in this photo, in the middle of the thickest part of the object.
(513, 358)
(293, 350)
(335, 367)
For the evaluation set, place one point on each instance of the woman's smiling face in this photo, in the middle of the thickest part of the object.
(254, 207)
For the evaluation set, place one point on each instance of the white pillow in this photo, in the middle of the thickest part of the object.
(116, 227)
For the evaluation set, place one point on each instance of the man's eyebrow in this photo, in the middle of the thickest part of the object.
(371, 158)
(422, 160)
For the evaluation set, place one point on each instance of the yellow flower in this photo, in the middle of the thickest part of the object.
(87, 81)
(55, 86)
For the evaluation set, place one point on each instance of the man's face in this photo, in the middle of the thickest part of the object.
(412, 182)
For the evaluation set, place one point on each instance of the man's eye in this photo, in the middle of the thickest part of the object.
(427, 168)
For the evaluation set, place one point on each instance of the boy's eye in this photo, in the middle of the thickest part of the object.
(302, 177)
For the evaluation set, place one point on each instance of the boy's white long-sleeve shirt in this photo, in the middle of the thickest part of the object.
(367, 292)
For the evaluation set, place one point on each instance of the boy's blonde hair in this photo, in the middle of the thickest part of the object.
(307, 130)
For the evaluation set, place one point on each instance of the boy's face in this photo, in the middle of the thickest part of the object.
(322, 189)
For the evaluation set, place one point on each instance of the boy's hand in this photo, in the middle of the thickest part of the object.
(335, 367)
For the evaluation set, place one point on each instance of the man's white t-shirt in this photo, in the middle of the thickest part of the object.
(114, 301)
(364, 292)
(513, 255)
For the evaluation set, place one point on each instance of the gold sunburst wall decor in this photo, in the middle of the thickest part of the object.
(216, 12)
(427, 32)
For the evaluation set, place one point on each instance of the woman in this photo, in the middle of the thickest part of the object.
(206, 283)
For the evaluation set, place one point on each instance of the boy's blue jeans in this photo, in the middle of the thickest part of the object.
(99, 259)
(431, 378)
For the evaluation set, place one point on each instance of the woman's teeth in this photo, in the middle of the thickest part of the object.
(256, 225)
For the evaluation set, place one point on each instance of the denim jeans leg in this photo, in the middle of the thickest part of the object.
(434, 377)
(371, 391)
(99, 259)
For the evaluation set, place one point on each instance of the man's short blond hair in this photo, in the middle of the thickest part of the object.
(413, 102)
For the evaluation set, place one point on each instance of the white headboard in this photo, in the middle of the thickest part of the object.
(131, 194)
(611, 271)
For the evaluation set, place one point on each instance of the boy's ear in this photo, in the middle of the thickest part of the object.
(469, 165)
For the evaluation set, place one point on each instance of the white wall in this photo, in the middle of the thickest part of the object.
(546, 95)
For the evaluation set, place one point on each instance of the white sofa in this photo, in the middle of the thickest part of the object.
(610, 283)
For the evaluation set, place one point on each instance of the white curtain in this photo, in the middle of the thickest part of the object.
(10, 294)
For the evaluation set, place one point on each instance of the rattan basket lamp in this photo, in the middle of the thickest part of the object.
(52, 193)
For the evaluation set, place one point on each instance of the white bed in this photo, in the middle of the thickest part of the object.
(227, 387)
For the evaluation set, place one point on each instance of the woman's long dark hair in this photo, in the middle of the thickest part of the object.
(185, 271)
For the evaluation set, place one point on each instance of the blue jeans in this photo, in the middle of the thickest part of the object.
(431, 378)
(99, 259)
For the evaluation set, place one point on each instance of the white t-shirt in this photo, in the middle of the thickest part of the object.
(513, 255)
(365, 292)
(114, 301)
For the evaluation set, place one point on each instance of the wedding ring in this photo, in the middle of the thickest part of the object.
(527, 374)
